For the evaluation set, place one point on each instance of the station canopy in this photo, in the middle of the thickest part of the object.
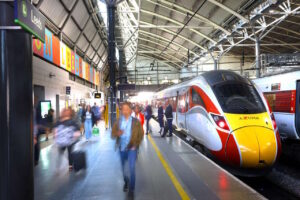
(160, 38)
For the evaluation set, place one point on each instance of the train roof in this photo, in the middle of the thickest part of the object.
(211, 78)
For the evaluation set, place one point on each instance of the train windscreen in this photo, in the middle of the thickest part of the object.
(238, 98)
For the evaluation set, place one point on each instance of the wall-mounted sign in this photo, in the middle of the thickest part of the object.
(68, 90)
(97, 95)
(30, 19)
(126, 87)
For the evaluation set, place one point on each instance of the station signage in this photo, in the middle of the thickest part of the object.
(97, 95)
(126, 87)
(30, 19)
(68, 90)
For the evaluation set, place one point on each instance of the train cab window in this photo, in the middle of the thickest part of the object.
(196, 98)
(238, 98)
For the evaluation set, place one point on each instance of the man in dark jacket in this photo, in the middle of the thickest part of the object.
(169, 116)
(161, 117)
(148, 117)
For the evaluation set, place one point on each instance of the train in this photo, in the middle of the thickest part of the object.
(282, 92)
(229, 117)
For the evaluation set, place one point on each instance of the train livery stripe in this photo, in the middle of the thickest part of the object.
(169, 171)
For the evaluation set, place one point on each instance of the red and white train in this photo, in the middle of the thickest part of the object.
(282, 92)
(228, 115)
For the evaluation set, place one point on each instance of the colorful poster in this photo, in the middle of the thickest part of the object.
(68, 59)
(76, 64)
(91, 78)
(56, 50)
(63, 55)
(80, 67)
(87, 71)
(38, 47)
(48, 53)
(83, 70)
(72, 62)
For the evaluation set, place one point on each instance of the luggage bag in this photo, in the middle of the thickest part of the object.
(79, 160)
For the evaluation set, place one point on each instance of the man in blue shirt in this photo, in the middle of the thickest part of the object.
(129, 134)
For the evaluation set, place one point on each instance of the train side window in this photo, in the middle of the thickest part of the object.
(181, 104)
(196, 98)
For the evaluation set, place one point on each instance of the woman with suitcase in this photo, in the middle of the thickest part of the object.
(66, 134)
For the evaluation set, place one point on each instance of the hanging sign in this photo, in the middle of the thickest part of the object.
(30, 19)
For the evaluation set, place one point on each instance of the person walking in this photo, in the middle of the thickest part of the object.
(49, 122)
(160, 116)
(66, 133)
(88, 117)
(169, 117)
(148, 117)
(138, 114)
(129, 134)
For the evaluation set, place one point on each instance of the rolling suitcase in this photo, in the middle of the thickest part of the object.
(79, 160)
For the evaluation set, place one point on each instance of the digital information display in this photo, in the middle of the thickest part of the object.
(45, 107)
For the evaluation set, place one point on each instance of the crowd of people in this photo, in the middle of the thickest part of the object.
(128, 130)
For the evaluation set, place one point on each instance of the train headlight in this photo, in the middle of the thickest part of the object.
(220, 121)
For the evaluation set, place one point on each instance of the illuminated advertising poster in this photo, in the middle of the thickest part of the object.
(38, 47)
(48, 54)
(87, 72)
(83, 70)
(68, 59)
(63, 55)
(56, 50)
(80, 66)
(72, 62)
(76, 64)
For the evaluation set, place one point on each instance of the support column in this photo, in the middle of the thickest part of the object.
(215, 64)
(16, 110)
(157, 74)
(112, 59)
(257, 56)
(121, 72)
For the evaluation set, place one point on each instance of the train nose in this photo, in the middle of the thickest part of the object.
(257, 146)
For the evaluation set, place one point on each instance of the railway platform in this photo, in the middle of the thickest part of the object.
(167, 168)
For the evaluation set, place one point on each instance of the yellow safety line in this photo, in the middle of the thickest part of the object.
(169, 171)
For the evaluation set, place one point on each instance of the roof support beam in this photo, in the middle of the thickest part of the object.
(228, 10)
(178, 23)
(165, 39)
(184, 11)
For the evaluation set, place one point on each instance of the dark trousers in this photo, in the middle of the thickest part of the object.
(129, 156)
(70, 150)
(148, 125)
(37, 149)
(170, 126)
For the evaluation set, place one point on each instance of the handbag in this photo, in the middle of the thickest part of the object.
(95, 131)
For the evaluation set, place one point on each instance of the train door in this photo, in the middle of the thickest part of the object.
(187, 103)
(181, 111)
(297, 110)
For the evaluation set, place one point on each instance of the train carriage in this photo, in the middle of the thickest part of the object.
(282, 92)
(228, 115)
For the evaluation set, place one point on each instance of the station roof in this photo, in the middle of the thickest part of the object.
(165, 36)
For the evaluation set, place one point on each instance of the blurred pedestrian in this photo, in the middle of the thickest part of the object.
(97, 114)
(88, 117)
(160, 116)
(148, 117)
(49, 122)
(129, 134)
(138, 114)
(66, 134)
(169, 117)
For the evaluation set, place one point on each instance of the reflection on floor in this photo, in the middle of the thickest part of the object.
(199, 178)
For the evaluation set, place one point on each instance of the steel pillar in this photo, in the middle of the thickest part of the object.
(257, 56)
(215, 64)
(112, 59)
(121, 72)
(16, 110)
